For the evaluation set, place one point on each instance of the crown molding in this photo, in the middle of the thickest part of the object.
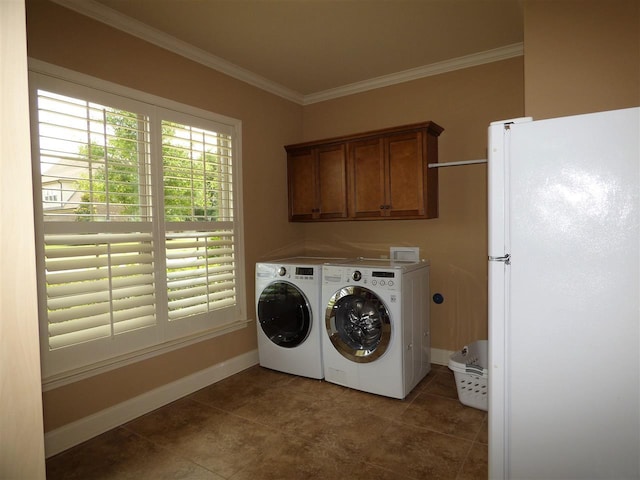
(475, 59)
(114, 19)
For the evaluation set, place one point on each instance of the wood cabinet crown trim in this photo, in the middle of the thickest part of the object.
(431, 127)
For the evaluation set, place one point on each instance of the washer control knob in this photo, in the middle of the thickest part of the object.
(282, 271)
(357, 276)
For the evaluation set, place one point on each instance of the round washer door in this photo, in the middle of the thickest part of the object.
(358, 324)
(284, 314)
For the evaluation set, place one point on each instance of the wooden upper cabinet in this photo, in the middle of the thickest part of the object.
(332, 182)
(302, 184)
(405, 171)
(375, 175)
(317, 182)
(367, 175)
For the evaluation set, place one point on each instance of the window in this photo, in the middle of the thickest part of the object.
(137, 222)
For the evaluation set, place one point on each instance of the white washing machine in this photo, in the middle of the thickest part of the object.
(290, 315)
(376, 325)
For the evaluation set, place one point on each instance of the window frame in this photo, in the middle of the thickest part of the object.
(73, 363)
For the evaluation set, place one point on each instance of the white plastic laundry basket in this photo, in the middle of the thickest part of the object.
(469, 367)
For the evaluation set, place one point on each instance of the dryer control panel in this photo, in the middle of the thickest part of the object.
(287, 272)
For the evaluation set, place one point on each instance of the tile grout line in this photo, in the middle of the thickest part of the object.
(172, 452)
(473, 442)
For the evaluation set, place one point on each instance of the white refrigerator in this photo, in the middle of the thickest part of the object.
(564, 289)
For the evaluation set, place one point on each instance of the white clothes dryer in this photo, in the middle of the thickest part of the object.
(376, 325)
(290, 314)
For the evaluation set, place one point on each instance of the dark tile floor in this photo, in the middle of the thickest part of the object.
(261, 424)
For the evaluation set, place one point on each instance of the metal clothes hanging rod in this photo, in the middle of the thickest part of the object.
(456, 164)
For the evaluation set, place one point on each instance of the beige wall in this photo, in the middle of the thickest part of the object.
(558, 76)
(59, 36)
(21, 434)
(581, 56)
(463, 102)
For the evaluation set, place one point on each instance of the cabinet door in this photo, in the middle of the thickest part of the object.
(367, 171)
(331, 183)
(405, 175)
(302, 185)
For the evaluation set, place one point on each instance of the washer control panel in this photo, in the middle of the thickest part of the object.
(366, 277)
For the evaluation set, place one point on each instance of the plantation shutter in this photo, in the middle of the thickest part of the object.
(199, 215)
(138, 232)
(98, 285)
(96, 208)
(93, 161)
(200, 272)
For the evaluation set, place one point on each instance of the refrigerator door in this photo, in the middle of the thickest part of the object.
(498, 285)
(570, 389)
(499, 261)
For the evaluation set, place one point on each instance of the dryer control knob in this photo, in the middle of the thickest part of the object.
(282, 271)
(357, 276)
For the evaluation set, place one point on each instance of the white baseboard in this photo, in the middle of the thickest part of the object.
(440, 357)
(81, 430)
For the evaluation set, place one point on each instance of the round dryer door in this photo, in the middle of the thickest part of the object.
(358, 324)
(284, 314)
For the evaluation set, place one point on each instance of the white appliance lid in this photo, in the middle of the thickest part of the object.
(384, 263)
(305, 261)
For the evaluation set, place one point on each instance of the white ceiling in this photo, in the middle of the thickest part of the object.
(304, 48)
